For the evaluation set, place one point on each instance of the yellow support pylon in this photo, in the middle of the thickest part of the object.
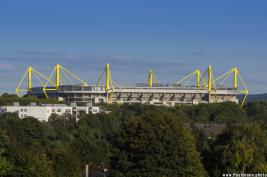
(57, 68)
(29, 73)
(29, 78)
(235, 71)
(236, 78)
(198, 78)
(210, 78)
(57, 72)
(187, 79)
(108, 78)
(150, 78)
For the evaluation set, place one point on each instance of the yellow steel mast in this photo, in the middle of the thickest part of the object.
(29, 78)
(235, 71)
(57, 72)
(188, 78)
(198, 77)
(30, 72)
(150, 78)
(236, 77)
(108, 78)
(57, 68)
(210, 78)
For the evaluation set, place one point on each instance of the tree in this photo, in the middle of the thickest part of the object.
(261, 168)
(257, 111)
(90, 145)
(31, 164)
(5, 165)
(157, 145)
(241, 148)
(65, 162)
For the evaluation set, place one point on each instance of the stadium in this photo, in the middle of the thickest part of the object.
(195, 88)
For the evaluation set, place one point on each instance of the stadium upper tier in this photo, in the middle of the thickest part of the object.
(193, 89)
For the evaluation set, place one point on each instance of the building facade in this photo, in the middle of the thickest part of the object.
(43, 112)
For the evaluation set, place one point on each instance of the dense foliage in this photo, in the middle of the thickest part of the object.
(155, 145)
(137, 140)
(9, 99)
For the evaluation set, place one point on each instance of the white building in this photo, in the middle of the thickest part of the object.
(42, 112)
(94, 110)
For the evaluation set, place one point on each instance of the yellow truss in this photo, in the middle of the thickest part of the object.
(206, 80)
(29, 73)
(188, 78)
(105, 76)
(59, 71)
(237, 76)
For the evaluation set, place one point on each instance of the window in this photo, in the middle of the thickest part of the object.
(25, 110)
(53, 110)
(68, 111)
(58, 110)
(21, 109)
(21, 115)
(25, 115)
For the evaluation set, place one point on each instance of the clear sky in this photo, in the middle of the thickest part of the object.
(174, 37)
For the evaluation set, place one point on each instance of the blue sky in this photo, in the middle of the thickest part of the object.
(174, 37)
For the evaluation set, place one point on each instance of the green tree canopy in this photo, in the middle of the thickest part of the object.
(241, 149)
(157, 145)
